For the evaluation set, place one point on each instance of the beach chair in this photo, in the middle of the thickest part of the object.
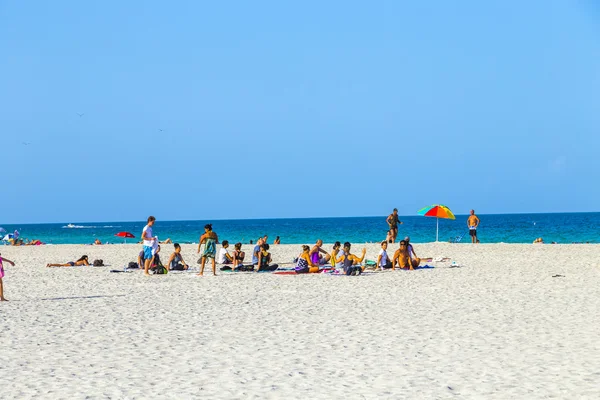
(457, 239)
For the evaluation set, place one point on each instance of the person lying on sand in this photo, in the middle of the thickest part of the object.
(97, 241)
(304, 264)
(350, 261)
(82, 261)
(176, 262)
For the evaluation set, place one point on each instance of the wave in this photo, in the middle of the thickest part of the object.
(71, 226)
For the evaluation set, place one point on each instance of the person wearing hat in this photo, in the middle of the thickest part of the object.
(393, 221)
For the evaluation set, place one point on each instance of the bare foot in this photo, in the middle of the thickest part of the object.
(47, 265)
(199, 274)
(147, 274)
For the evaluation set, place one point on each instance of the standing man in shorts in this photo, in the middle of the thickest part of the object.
(393, 221)
(473, 223)
(149, 240)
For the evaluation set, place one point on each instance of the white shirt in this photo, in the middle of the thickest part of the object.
(147, 232)
(384, 258)
(221, 259)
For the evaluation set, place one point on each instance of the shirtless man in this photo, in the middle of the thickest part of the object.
(393, 221)
(316, 257)
(473, 223)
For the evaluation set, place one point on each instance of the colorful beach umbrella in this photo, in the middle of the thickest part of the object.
(125, 235)
(438, 211)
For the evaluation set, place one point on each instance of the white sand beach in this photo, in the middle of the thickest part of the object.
(499, 327)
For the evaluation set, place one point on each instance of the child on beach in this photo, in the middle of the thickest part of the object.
(2, 259)
(82, 261)
(210, 239)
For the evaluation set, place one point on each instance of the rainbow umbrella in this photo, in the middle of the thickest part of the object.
(438, 211)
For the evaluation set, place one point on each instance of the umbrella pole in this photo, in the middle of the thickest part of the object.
(437, 229)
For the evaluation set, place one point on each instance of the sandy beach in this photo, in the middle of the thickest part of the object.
(501, 326)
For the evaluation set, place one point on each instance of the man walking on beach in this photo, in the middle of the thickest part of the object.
(473, 223)
(393, 221)
(149, 240)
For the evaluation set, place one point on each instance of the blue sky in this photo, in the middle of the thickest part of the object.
(273, 109)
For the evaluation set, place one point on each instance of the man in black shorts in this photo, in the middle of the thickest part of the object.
(393, 221)
(473, 223)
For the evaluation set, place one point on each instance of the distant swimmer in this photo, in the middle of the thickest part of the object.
(473, 223)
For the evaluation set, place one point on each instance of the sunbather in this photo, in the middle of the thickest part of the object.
(304, 264)
(82, 261)
(264, 259)
(351, 263)
(402, 258)
(176, 262)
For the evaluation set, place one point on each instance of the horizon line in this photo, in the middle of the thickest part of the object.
(283, 218)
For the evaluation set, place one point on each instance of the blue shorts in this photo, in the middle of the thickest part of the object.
(148, 253)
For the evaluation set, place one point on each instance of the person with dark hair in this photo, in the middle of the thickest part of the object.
(403, 259)
(304, 265)
(473, 223)
(176, 262)
(264, 259)
(383, 261)
(393, 221)
(238, 257)
(334, 254)
(210, 239)
(224, 257)
(350, 262)
(149, 242)
(277, 240)
(83, 260)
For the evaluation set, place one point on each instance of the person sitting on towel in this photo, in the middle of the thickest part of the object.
(176, 262)
(349, 260)
(304, 264)
(383, 261)
(264, 259)
(224, 257)
(403, 259)
(238, 257)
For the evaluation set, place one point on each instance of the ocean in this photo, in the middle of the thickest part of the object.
(508, 228)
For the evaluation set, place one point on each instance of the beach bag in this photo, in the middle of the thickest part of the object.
(133, 265)
(98, 263)
(160, 270)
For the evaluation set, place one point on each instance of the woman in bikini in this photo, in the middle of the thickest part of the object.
(238, 256)
(210, 239)
(82, 261)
